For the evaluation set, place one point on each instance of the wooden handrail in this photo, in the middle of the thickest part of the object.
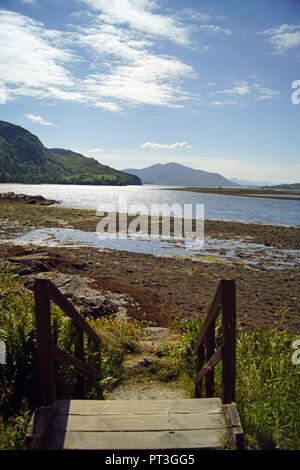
(47, 352)
(224, 301)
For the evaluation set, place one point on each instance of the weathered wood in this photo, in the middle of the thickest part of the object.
(213, 312)
(47, 352)
(39, 427)
(62, 356)
(139, 422)
(44, 342)
(199, 365)
(135, 424)
(234, 426)
(190, 439)
(217, 357)
(71, 311)
(210, 350)
(139, 407)
(79, 353)
(229, 340)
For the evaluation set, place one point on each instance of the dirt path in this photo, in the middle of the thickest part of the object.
(140, 387)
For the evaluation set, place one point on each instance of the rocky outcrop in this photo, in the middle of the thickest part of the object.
(78, 290)
(27, 199)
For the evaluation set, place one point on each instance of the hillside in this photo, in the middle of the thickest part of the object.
(24, 159)
(175, 174)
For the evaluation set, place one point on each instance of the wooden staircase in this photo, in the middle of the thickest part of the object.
(199, 423)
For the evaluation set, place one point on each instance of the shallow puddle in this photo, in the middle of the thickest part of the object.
(212, 250)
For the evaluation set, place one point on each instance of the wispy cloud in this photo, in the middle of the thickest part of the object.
(38, 120)
(283, 38)
(29, 2)
(242, 92)
(214, 29)
(140, 15)
(36, 62)
(177, 145)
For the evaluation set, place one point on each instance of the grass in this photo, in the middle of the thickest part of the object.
(267, 382)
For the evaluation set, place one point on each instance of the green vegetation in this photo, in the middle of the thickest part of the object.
(19, 376)
(267, 382)
(24, 159)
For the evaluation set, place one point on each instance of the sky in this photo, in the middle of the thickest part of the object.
(214, 85)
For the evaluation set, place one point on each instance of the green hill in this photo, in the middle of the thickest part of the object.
(24, 159)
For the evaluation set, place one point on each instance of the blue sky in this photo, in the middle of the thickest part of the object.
(136, 82)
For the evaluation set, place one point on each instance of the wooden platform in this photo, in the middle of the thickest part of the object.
(202, 423)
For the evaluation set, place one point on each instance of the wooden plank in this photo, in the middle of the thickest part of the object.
(217, 357)
(139, 407)
(213, 312)
(229, 340)
(39, 427)
(62, 356)
(234, 426)
(131, 422)
(71, 311)
(190, 439)
(44, 341)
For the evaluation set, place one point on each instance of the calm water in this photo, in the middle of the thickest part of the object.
(212, 250)
(216, 207)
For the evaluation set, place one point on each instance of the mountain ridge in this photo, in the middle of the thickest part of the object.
(24, 159)
(177, 174)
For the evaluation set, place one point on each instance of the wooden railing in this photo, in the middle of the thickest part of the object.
(224, 301)
(47, 352)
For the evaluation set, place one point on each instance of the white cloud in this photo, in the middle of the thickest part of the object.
(177, 145)
(36, 63)
(29, 2)
(283, 38)
(139, 15)
(242, 92)
(27, 57)
(38, 119)
(212, 28)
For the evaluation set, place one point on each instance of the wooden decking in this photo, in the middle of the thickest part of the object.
(135, 425)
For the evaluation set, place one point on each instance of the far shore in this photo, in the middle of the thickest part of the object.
(245, 192)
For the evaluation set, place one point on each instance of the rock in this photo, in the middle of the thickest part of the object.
(145, 362)
(78, 290)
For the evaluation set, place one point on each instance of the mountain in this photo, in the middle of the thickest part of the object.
(24, 159)
(254, 184)
(175, 174)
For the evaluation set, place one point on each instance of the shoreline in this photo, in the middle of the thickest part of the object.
(245, 192)
(160, 288)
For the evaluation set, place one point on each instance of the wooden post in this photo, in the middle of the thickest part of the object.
(199, 365)
(229, 340)
(210, 350)
(79, 352)
(44, 342)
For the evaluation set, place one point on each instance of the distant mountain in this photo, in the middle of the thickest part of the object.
(24, 159)
(175, 174)
(254, 184)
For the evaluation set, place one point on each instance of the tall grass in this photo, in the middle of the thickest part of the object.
(267, 382)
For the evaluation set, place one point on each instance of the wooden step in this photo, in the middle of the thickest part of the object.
(135, 424)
